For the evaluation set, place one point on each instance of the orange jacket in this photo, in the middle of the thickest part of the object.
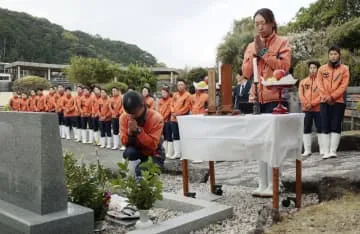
(59, 102)
(50, 102)
(148, 140)
(309, 94)
(333, 82)
(40, 103)
(68, 104)
(180, 104)
(199, 103)
(95, 106)
(86, 106)
(32, 104)
(150, 103)
(164, 108)
(104, 109)
(116, 106)
(24, 104)
(278, 56)
(14, 103)
(78, 104)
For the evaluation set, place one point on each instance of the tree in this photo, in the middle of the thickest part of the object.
(28, 83)
(232, 50)
(160, 64)
(89, 71)
(196, 74)
(121, 86)
(346, 35)
(137, 76)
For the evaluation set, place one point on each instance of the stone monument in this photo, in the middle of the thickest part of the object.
(33, 197)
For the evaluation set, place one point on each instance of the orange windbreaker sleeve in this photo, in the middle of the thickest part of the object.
(124, 137)
(282, 60)
(151, 139)
(320, 84)
(341, 89)
(302, 97)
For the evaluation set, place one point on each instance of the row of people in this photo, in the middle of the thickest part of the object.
(88, 112)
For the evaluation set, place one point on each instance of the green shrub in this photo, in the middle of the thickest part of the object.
(141, 192)
(28, 83)
(86, 185)
(121, 86)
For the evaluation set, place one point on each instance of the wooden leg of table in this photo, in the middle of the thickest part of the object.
(276, 188)
(212, 176)
(298, 183)
(185, 174)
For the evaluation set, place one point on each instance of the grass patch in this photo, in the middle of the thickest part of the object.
(338, 216)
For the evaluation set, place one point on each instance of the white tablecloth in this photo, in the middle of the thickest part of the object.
(265, 137)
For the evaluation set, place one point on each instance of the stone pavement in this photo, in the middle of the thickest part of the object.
(318, 175)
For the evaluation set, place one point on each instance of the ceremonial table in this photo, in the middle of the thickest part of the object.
(266, 137)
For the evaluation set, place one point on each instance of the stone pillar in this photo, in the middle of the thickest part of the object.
(18, 72)
(49, 74)
(171, 78)
(33, 197)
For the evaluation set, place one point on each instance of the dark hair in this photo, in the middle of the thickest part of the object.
(68, 88)
(268, 16)
(131, 87)
(132, 100)
(86, 87)
(166, 88)
(335, 48)
(115, 88)
(181, 80)
(314, 62)
(240, 72)
(39, 89)
(192, 89)
(148, 89)
(102, 89)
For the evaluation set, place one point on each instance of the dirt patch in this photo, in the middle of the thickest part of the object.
(337, 216)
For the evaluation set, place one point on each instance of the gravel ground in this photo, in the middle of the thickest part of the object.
(246, 207)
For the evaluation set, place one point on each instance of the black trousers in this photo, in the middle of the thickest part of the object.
(175, 130)
(70, 121)
(96, 124)
(86, 123)
(267, 108)
(61, 118)
(78, 122)
(310, 118)
(115, 126)
(167, 132)
(331, 117)
(105, 128)
(132, 154)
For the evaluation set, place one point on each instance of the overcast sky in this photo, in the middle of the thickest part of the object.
(176, 32)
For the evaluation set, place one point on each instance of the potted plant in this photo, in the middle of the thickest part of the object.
(87, 186)
(142, 191)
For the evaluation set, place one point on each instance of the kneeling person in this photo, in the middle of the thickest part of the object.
(140, 131)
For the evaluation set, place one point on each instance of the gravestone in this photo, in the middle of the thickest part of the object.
(33, 197)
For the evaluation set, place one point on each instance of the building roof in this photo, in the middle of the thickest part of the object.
(158, 70)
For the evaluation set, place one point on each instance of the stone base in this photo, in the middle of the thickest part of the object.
(75, 220)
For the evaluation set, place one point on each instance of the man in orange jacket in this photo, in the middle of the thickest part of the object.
(85, 113)
(180, 106)
(332, 80)
(95, 115)
(199, 100)
(24, 103)
(77, 117)
(40, 105)
(59, 110)
(32, 101)
(105, 120)
(14, 102)
(116, 111)
(140, 129)
(164, 108)
(309, 95)
(69, 107)
(50, 100)
(149, 100)
(272, 53)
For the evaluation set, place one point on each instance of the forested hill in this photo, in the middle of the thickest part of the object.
(28, 38)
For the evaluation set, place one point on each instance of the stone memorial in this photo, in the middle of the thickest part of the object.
(33, 197)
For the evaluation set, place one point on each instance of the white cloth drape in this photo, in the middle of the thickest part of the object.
(266, 137)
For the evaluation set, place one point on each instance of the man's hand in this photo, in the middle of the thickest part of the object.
(132, 126)
(259, 44)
